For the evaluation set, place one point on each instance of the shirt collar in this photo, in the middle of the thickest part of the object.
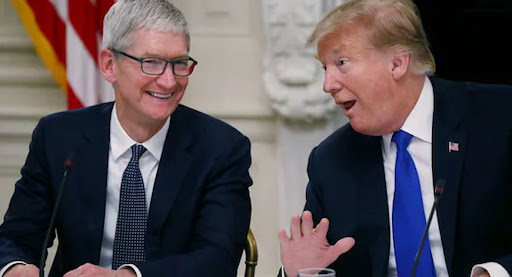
(120, 141)
(419, 121)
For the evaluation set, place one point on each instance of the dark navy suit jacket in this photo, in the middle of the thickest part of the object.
(347, 183)
(200, 207)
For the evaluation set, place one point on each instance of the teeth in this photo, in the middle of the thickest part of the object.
(161, 96)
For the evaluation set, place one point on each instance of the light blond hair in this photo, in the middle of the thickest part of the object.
(388, 23)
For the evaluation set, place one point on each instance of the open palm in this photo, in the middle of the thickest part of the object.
(307, 246)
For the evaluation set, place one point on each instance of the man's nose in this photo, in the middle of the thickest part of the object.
(167, 79)
(331, 81)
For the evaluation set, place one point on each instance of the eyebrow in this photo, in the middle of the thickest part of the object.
(148, 55)
(340, 49)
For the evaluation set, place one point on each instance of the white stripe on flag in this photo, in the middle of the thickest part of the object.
(61, 6)
(81, 70)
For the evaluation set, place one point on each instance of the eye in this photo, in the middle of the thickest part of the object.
(151, 61)
(324, 67)
(181, 62)
(342, 62)
(181, 65)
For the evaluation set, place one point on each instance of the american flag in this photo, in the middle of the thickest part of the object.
(67, 37)
(453, 146)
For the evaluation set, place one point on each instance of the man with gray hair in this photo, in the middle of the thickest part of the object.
(374, 181)
(154, 188)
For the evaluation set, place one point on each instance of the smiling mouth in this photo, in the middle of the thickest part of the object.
(158, 95)
(347, 105)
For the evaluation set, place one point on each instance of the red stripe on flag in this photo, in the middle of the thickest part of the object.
(73, 101)
(82, 15)
(102, 7)
(51, 25)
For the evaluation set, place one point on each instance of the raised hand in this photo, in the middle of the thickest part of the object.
(307, 246)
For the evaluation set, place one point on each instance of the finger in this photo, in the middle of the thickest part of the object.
(71, 273)
(33, 271)
(343, 246)
(307, 223)
(322, 228)
(27, 270)
(15, 270)
(75, 272)
(281, 235)
(295, 232)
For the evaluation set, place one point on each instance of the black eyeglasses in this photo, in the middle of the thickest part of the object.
(157, 66)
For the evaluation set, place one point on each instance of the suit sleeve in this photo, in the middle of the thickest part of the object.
(506, 262)
(222, 221)
(313, 195)
(26, 220)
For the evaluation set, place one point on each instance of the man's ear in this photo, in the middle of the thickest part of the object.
(107, 65)
(400, 59)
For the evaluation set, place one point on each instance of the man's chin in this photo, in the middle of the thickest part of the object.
(364, 129)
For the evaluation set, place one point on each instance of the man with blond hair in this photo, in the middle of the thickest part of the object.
(371, 183)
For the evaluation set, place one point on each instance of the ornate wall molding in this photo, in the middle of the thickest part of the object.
(293, 78)
(219, 17)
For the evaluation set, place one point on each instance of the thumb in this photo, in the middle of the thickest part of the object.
(342, 246)
(281, 235)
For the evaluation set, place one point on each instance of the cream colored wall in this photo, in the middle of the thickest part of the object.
(227, 40)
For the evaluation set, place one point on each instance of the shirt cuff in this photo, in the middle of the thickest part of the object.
(9, 265)
(494, 269)
(132, 266)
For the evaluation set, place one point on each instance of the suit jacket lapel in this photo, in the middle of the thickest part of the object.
(91, 167)
(449, 108)
(375, 191)
(173, 167)
(367, 165)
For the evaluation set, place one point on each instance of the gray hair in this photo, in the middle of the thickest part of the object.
(126, 16)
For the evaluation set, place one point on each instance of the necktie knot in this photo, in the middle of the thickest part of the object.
(137, 151)
(401, 139)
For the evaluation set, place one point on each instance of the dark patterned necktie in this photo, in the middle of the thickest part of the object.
(132, 217)
(408, 214)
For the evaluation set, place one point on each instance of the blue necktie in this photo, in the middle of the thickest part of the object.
(132, 217)
(408, 213)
